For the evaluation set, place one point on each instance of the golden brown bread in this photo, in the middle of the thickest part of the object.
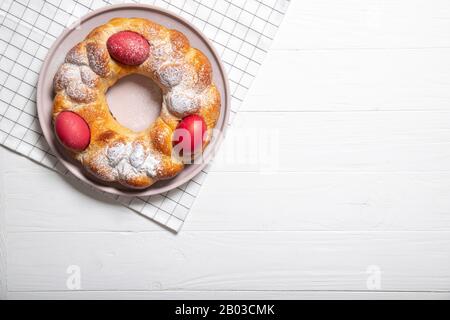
(116, 153)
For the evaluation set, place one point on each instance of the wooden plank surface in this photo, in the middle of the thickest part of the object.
(368, 24)
(350, 115)
(335, 200)
(226, 295)
(353, 80)
(227, 260)
(3, 235)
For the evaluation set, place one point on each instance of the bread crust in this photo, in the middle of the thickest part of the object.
(118, 154)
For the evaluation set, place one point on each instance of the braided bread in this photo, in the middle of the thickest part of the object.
(112, 152)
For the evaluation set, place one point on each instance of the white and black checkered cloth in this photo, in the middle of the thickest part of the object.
(241, 31)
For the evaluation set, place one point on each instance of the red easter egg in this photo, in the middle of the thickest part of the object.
(72, 131)
(192, 128)
(128, 47)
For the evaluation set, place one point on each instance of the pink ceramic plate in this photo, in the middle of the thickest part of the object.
(73, 35)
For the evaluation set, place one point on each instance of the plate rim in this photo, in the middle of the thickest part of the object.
(210, 150)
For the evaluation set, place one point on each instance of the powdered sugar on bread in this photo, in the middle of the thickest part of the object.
(115, 154)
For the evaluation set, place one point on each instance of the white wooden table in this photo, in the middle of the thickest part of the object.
(358, 93)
